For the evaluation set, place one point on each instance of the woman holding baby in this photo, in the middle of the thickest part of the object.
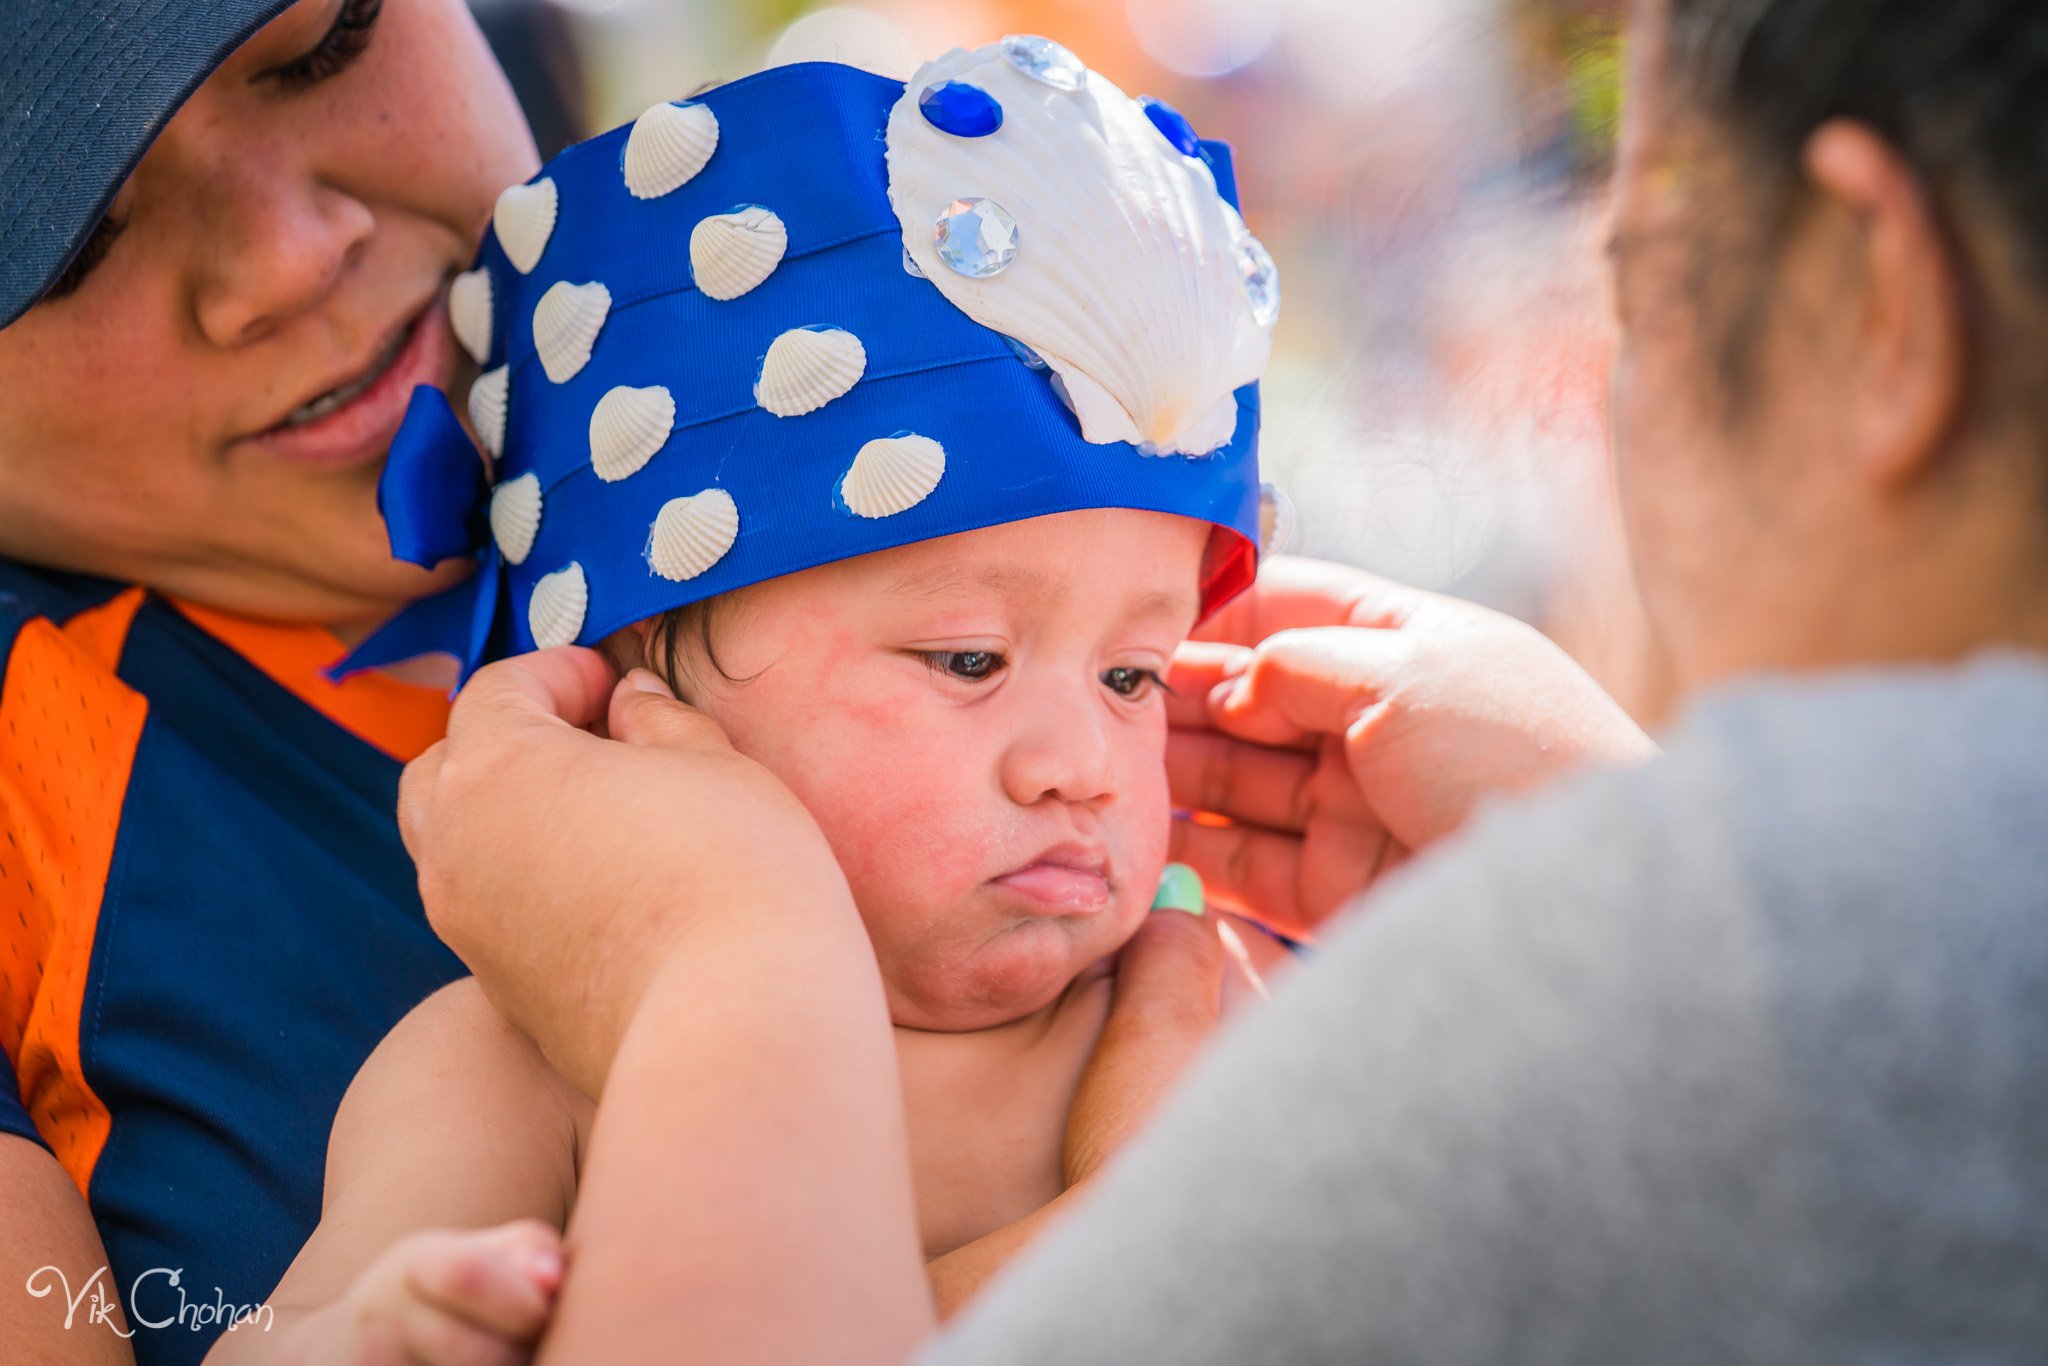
(1728, 1054)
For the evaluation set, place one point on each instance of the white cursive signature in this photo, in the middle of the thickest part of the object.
(99, 1303)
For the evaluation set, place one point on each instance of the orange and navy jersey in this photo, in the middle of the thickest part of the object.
(207, 921)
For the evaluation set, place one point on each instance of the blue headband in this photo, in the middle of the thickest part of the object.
(659, 310)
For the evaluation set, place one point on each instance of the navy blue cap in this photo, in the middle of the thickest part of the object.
(85, 87)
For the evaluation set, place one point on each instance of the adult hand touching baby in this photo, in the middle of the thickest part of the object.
(565, 869)
(1340, 722)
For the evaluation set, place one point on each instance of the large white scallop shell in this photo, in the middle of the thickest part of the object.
(488, 399)
(669, 144)
(806, 368)
(892, 474)
(515, 517)
(627, 427)
(554, 614)
(1127, 278)
(566, 322)
(692, 534)
(469, 312)
(525, 219)
(730, 253)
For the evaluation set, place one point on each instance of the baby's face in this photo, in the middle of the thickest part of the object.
(977, 724)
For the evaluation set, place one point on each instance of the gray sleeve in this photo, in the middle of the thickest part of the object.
(1510, 1113)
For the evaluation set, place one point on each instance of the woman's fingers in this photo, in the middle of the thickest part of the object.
(567, 685)
(1206, 771)
(1309, 683)
(1198, 667)
(1255, 868)
(1169, 989)
(645, 713)
(1293, 593)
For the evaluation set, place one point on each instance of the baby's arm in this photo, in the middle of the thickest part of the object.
(454, 1129)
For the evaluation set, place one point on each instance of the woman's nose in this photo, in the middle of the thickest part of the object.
(1066, 756)
(277, 250)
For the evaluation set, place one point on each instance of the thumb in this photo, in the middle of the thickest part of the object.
(1169, 991)
(1309, 683)
(645, 712)
(1170, 972)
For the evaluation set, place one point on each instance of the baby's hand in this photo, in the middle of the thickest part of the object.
(444, 1298)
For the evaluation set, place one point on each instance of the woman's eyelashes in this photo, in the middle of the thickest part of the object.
(91, 254)
(345, 41)
(1129, 682)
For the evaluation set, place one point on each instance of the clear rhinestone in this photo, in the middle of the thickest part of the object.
(1276, 520)
(1026, 354)
(1044, 60)
(1261, 279)
(910, 265)
(965, 111)
(976, 237)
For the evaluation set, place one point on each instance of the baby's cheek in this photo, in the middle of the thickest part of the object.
(897, 802)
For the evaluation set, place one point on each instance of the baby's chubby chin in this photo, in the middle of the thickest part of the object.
(1006, 954)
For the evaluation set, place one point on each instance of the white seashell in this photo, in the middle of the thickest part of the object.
(1128, 279)
(469, 312)
(488, 399)
(669, 144)
(525, 219)
(892, 474)
(807, 368)
(692, 534)
(566, 322)
(730, 253)
(554, 614)
(515, 517)
(627, 427)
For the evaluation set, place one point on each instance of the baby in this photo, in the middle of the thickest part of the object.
(905, 431)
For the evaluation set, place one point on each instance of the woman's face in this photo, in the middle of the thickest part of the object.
(977, 724)
(285, 243)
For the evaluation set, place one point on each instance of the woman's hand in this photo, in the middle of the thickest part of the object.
(1341, 722)
(565, 868)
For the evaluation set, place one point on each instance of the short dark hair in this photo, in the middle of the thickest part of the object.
(1959, 87)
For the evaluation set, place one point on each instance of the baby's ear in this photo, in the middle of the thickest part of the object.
(626, 648)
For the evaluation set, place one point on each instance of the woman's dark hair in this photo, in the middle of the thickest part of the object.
(1959, 87)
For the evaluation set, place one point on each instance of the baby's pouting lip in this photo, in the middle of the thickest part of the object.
(1067, 879)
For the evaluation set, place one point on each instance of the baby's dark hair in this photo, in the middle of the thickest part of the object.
(674, 632)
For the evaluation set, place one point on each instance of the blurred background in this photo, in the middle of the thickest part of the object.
(1430, 176)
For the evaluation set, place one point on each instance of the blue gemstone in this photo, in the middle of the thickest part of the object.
(976, 237)
(965, 111)
(1170, 122)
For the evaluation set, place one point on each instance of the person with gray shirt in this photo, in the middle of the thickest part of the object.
(1732, 1053)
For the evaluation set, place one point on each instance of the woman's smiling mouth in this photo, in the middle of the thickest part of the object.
(355, 418)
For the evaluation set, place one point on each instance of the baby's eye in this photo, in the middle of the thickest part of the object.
(972, 665)
(1131, 683)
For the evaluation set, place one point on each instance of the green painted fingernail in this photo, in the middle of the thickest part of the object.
(1180, 889)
